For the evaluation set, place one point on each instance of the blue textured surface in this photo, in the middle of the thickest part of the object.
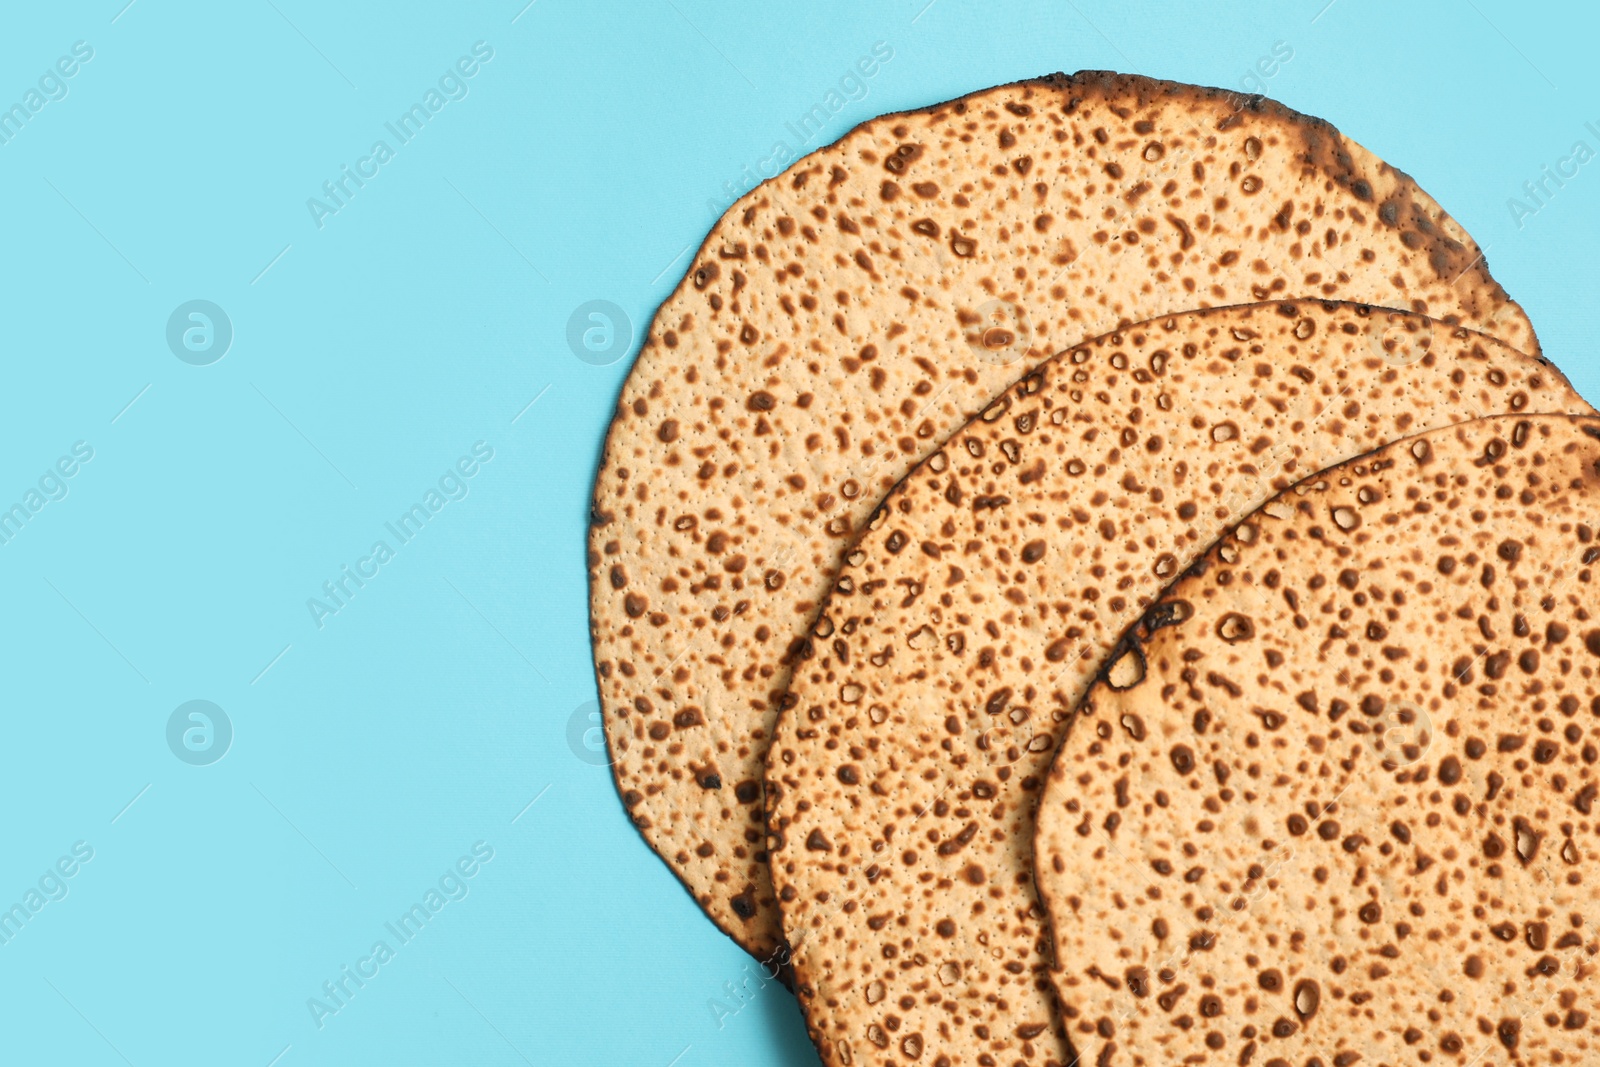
(384, 350)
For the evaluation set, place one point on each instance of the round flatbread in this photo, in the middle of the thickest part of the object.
(1333, 803)
(985, 595)
(844, 317)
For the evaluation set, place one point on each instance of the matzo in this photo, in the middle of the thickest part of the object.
(841, 319)
(1340, 808)
(987, 592)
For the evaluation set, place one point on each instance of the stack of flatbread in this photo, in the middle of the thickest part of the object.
(1099, 569)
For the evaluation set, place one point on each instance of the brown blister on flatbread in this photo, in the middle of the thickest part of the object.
(1355, 822)
(995, 583)
(841, 319)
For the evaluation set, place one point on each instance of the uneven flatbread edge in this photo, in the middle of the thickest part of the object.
(826, 986)
(1325, 146)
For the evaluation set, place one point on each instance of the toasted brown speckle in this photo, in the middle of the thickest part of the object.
(1455, 931)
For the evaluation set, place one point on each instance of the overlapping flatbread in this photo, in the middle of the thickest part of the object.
(841, 319)
(986, 594)
(1333, 803)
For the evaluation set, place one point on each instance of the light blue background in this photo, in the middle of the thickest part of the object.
(371, 353)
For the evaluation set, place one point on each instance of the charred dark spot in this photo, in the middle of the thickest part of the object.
(1234, 627)
(1167, 613)
(901, 158)
(1307, 996)
(1138, 980)
(1182, 759)
(708, 273)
